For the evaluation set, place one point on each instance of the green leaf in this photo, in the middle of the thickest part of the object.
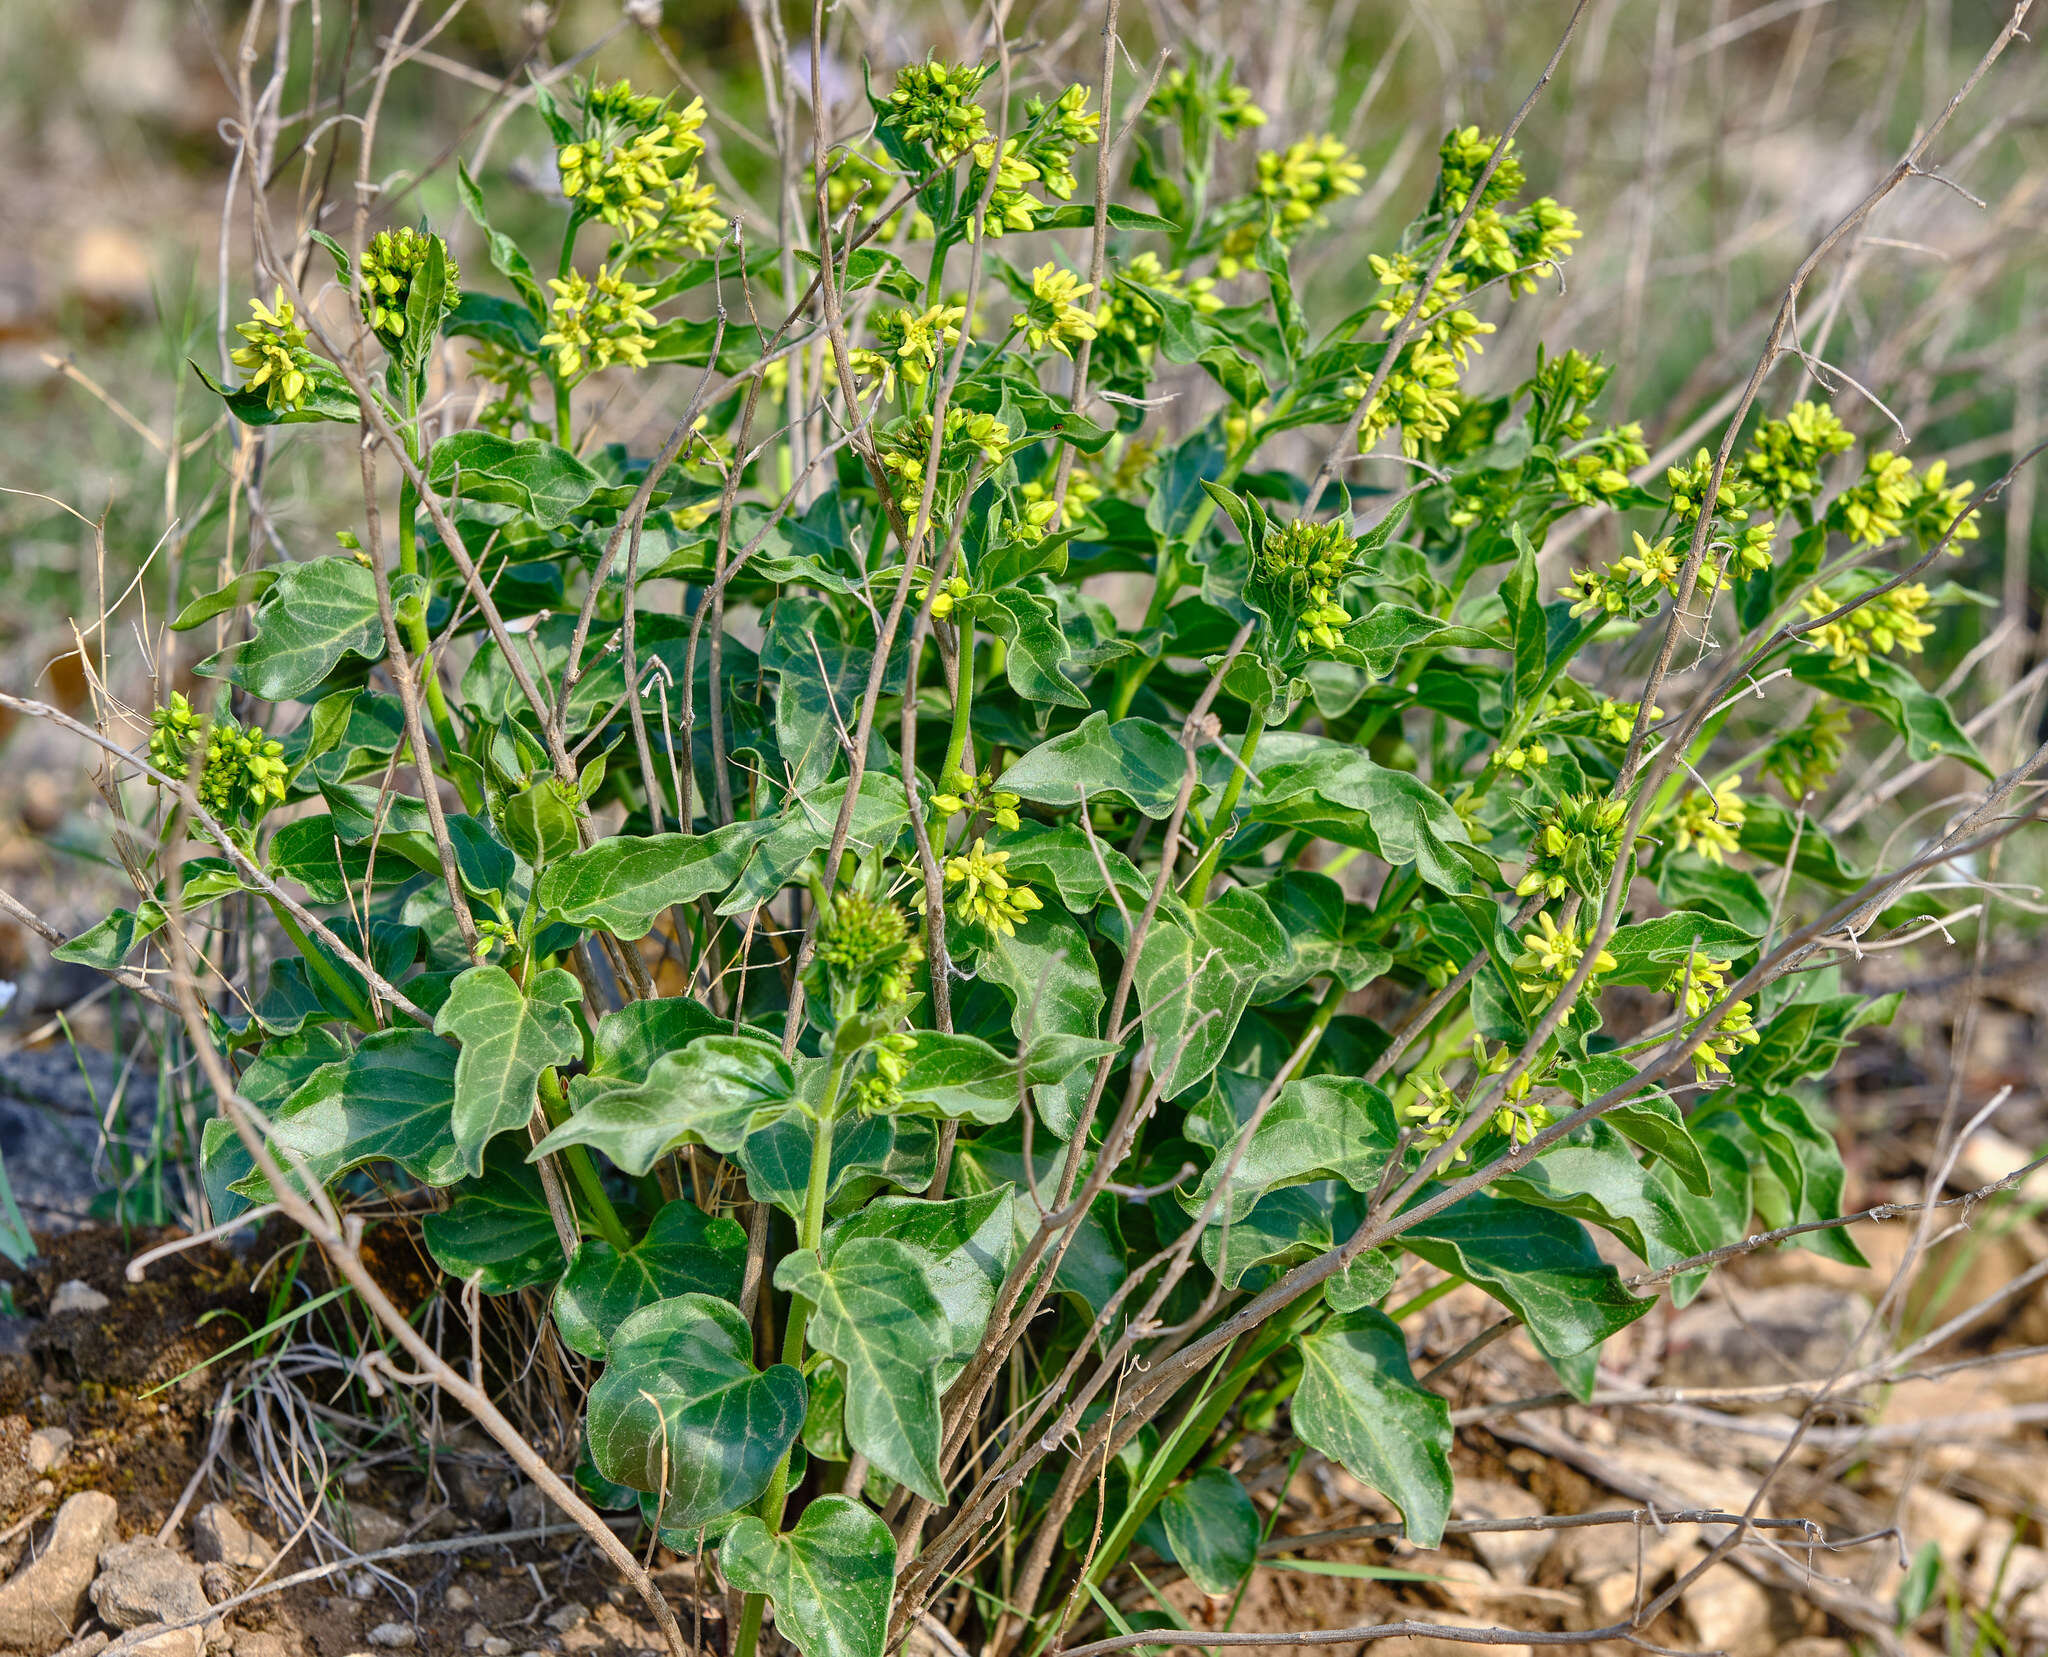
(1047, 971)
(1384, 634)
(327, 398)
(1213, 1528)
(829, 1576)
(1365, 1280)
(1284, 1228)
(506, 259)
(714, 1092)
(777, 1157)
(547, 483)
(388, 1101)
(1334, 790)
(627, 1042)
(539, 823)
(680, 1398)
(964, 1077)
(1195, 979)
(1360, 1404)
(508, 1037)
(1133, 762)
(1651, 1120)
(246, 588)
(1733, 894)
(873, 1308)
(1079, 215)
(1093, 1266)
(623, 882)
(1061, 858)
(1315, 915)
(1540, 1265)
(684, 1252)
(1319, 1127)
(1522, 596)
(497, 1230)
(966, 1246)
(505, 323)
(1594, 1176)
(309, 852)
(1649, 952)
(314, 614)
(1038, 653)
(1923, 718)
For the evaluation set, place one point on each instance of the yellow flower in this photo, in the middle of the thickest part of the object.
(276, 357)
(986, 896)
(598, 322)
(1711, 823)
(1551, 954)
(917, 341)
(1891, 621)
(1052, 317)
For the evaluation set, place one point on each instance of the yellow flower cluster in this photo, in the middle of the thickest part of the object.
(1710, 823)
(1052, 317)
(1551, 954)
(965, 793)
(1699, 984)
(390, 262)
(1785, 457)
(1891, 621)
(986, 895)
(933, 104)
(598, 322)
(634, 168)
(917, 341)
(276, 357)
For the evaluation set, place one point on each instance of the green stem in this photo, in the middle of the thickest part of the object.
(1429, 1297)
(588, 1181)
(324, 969)
(810, 1234)
(1219, 819)
(963, 703)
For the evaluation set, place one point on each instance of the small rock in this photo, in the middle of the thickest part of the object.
(170, 1642)
(77, 1295)
(394, 1636)
(458, 1598)
(48, 1448)
(143, 1582)
(1935, 1516)
(43, 1601)
(566, 1617)
(250, 1642)
(369, 1528)
(497, 1646)
(219, 1537)
(362, 1586)
(220, 1581)
(474, 1635)
(1509, 1555)
(45, 1488)
(88, 1645)
(1730, 1612)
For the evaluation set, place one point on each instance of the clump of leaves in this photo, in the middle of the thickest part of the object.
(1045, 991)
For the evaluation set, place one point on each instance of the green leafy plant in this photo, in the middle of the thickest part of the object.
(956, 1052)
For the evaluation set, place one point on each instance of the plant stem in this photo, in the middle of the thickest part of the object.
(810, 1234)
(323, 969)
(963, 703)
(1219, 819)
(588, 1181)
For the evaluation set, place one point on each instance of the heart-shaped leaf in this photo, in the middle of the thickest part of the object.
(681, 1410)
(508, 1037)
(829, 1576)
(684, 1252)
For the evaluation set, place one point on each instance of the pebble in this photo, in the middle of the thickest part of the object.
(362, 1586)
(394, 1636)
(566, 1617)
(48, 1447)
(458, 1598)
(77, 1295)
